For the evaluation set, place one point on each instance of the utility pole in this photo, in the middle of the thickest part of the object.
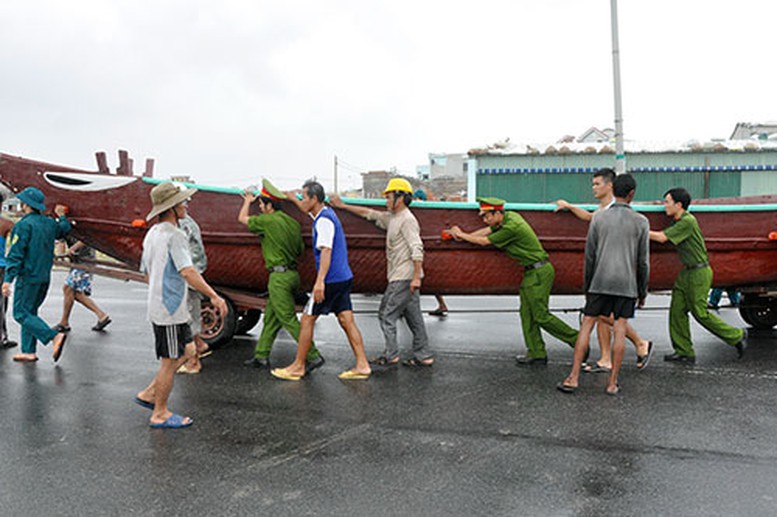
(337, 191)
(620, 155)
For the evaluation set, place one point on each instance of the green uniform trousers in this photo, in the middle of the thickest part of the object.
(535, 314)
(280, 313)
(689, 294)
(27, 298)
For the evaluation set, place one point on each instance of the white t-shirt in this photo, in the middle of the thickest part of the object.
(165, 254)
(325, 230)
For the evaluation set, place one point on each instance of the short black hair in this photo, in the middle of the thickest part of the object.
(607, 174)
(314, 189)
(623, 184)
(276, 205)
(679, 195)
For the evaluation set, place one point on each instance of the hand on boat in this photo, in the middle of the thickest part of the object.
(562, 204)
(336, 201)
(60, 210)
(455, 232)
(248, 194)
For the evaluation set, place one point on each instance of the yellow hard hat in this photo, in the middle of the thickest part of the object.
(398, 185)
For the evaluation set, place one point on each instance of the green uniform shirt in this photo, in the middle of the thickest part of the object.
(517, 239)
(686, 235)
(281, 238)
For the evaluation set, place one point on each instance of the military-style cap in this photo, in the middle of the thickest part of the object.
(490, 204)
(271, 191)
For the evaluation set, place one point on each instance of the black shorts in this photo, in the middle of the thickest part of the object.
(171, 340)
(608, 304)
(337, 298)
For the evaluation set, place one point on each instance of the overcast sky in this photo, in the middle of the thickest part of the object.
(230, 91)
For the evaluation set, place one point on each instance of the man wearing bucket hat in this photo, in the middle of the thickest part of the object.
(510, 232)
(167, 262)
(282, 247)
(29, 263)
(404, 257)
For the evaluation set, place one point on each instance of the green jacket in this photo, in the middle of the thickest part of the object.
(32, 247)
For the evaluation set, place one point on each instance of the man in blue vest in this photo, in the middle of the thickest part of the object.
(332, 289)
(29, 263)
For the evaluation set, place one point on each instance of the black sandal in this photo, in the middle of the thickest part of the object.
(417, 363)
(382, 360)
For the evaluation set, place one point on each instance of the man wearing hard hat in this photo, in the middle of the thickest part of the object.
(405, 255)
(510, 232)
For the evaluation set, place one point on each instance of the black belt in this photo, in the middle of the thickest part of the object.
(281, 269)
(536, 265)
(700, 265)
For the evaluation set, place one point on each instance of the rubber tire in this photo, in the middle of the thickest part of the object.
(759, 311)
(217, 329)
(246, 320)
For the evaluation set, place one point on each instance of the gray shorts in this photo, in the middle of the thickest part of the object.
(194, 305)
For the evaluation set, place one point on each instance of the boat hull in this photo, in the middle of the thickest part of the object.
(107, 208)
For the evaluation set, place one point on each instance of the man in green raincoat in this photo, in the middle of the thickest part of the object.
(29, 263)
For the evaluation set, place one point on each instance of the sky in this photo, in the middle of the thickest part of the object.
(232, 91)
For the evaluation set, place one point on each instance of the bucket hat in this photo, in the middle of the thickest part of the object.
(32, 197)
(165, 196)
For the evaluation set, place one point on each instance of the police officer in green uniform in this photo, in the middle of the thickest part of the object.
(29, 263)
(282, 247)
(689, 293)
(510, 232)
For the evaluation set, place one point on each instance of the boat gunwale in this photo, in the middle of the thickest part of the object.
(646, 206)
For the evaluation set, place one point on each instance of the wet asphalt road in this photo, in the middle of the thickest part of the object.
(475, 435)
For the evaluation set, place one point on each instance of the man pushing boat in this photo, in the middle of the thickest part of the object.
(282, 248)
(510, 232)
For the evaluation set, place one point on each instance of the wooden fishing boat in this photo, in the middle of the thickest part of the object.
(109, 210)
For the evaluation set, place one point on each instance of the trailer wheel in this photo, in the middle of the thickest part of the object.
(246, 320)
(218, 329)
(759, 311)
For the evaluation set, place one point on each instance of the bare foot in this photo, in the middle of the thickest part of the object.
(25, 358)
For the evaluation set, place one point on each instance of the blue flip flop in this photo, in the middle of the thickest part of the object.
(145, 403)
(175, 421)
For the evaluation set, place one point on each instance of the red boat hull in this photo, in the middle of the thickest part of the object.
(737, 238)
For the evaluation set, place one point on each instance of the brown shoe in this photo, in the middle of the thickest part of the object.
(59, 347)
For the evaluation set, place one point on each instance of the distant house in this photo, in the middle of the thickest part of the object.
(544, 172)
(448, 165)
(748, 130)
(597, 135)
